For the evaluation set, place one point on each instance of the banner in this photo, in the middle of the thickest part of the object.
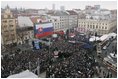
(43, 29)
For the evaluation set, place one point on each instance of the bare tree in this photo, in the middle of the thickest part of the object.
(20, 34)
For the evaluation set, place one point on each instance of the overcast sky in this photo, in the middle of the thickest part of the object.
(67, 4)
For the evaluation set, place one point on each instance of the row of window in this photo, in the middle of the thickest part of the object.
(93, 26)
(5, 21)
(60, 23)
(94, 23)
(5, 26)
(63, 17)
(58, 26)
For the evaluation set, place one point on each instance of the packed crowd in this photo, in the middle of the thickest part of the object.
(72, 61)
(19, 61)
(78, 65)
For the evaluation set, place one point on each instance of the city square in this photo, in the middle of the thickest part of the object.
(64, 43)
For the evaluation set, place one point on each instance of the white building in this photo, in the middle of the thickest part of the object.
(114, 14)
(60, 20)
(42, 11)
(92, 26)
(101, 14)
(53, 6)
(97, 7)
(97, 13)
(62, 8)
(80, 13)
(73, 17)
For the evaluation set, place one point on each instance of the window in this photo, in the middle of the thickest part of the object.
(6, 35)
(10, 25)
(12, 30)
(5, 21)
(102, 27)
(25, 38)
(105, 27)
(103, 23)
(5, 30)
(5, 26)
(99, 26)
(88, 26)
(96, 26)
(8, 16)
(50, 20)
(10, 20)
(12, 35)
(93, 26)
(55, 20)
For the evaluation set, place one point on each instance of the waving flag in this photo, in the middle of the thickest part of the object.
(42, 30)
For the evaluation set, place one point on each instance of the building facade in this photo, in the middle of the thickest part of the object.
(8, 27)
(114, 14)
(60, 20)
(73, 17)
(93, 26)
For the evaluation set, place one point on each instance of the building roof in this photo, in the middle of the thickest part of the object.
(107, 36)
(24, 74)
(58, 13)
(34, 19)
(50, 12)
(71, 12)
(77, 9)
(104, 37)
(24, 21)
(41, 18)
(112, 34)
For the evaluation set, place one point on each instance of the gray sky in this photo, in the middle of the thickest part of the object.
(67, 4)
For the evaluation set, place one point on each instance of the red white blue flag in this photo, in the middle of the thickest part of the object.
(42, 30)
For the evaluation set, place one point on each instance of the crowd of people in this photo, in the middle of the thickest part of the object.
(78, 65)
(20, 61)
(72, 61)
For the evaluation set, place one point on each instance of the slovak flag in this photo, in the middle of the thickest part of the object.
(42, 30)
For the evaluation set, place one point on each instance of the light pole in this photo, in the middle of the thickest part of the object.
(38, 67)
(49, 57)
(30, 66)
(49, 50)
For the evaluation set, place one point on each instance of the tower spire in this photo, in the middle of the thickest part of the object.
(7, 7)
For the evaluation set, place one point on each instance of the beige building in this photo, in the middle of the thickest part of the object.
(99, 26)
(8, 27)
